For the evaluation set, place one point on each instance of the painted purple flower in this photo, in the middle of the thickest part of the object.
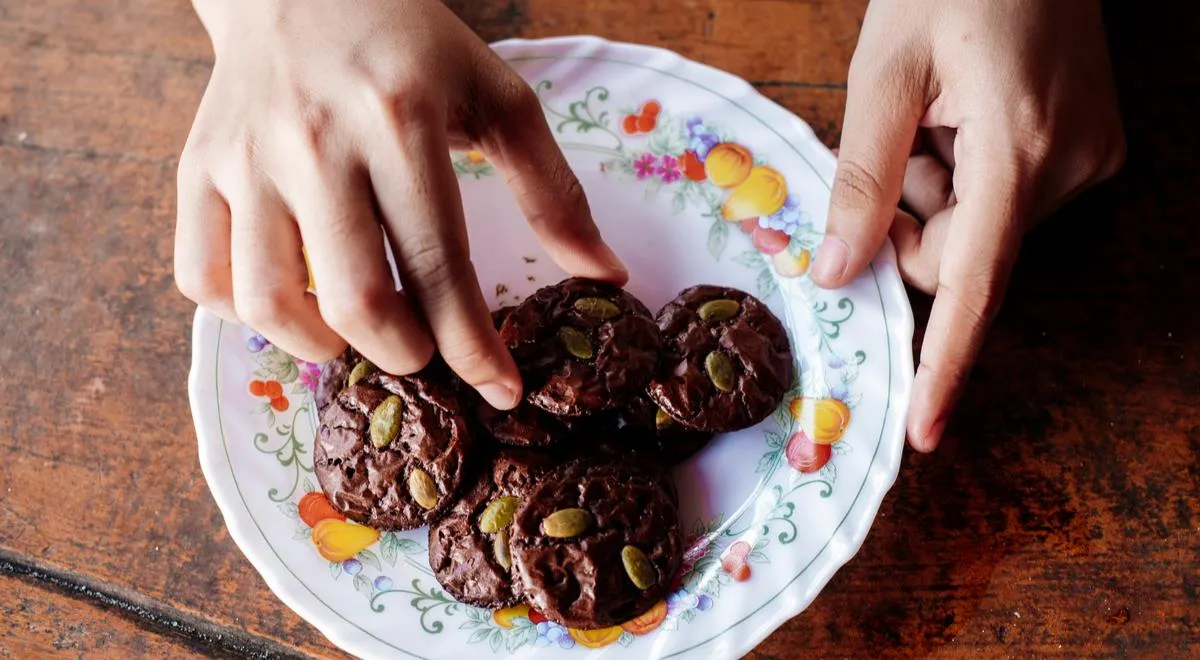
(695, 126)
(669, 169)
(310, 374)
(256, 343)
(352, 566)
(839, 392)
(645, 166)
(383, 583)
(705, 603)
(834, 361)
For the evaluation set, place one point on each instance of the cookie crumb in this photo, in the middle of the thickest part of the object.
(530, 260)
(501, 289)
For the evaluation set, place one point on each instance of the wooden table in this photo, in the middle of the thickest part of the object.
(1061, 518)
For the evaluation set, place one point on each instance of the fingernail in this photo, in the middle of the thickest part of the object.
(500, 396)
(832, 258)
(932, 437)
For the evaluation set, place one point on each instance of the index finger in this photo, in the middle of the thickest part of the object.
(977, 259)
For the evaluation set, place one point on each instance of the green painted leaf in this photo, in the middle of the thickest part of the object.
(774, 439)
(515, 639)
(335, 569)
(308, 486)
(757, 558)
(367, 557)
(688, 615)
(680, 201)
(751, 259)
(718, 236)
(289, 509)
(299, 388)
(387, 548)
(409, 546)
(766, 284)
(625, 639)
(829, 472)
(479, 635)
(497, 641)
(302, 532)
(363, 585)
(767, 461)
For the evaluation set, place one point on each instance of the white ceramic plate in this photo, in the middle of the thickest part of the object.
(768, 513)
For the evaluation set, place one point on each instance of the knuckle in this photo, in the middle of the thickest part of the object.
(404, 101)
(360, 308)
(434, 266)
(979, 295)
(201, 284)
(470, 357)
(263, 306)
(855, 187)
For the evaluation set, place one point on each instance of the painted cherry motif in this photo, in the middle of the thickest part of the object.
(734, 561)
(806, 456)
(643, 121)
(272, 390)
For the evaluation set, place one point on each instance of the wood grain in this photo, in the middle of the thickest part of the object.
(1061, 519)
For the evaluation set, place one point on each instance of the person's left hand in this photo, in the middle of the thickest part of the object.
(1018, 114)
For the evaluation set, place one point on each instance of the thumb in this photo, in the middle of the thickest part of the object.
(519, 143)
(883, 109)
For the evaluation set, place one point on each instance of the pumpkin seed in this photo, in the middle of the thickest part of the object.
(498, 514)
(500, 549)
(662, 420)
(576, 342)
(361, 371)
(597, 308)
(721, 309)
(566, 523)
(720, 371)
(423, 490)
(385, 421)
(641, 572)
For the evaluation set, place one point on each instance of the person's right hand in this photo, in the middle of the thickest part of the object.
(324, 122)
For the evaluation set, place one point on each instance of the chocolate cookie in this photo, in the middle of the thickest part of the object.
(726, 360)
(645, 428)
(582, 346)
(469, 547)
(523, 426)
(390, 450)
(596, 544)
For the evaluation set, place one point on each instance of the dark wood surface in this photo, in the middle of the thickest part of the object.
(1061, 518)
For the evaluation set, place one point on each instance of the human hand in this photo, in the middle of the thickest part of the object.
(1017, 112)
(324, 122)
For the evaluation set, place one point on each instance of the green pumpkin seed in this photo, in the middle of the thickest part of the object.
(498, 514)
(423, 490)
(597, 308)
(385, 421)
(566, 523)
(576, 342)
(662, 420)
(641, 572)
(500, 549)
(720, 371)
(361, 371)
(722, 309)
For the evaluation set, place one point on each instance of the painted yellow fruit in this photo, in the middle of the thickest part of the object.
(475, 157)
(791, 265)
(647, 622)
(596, 639)
(762, 193)
(505, 617)
(728, 164)
(338, 540)
(823, 420)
